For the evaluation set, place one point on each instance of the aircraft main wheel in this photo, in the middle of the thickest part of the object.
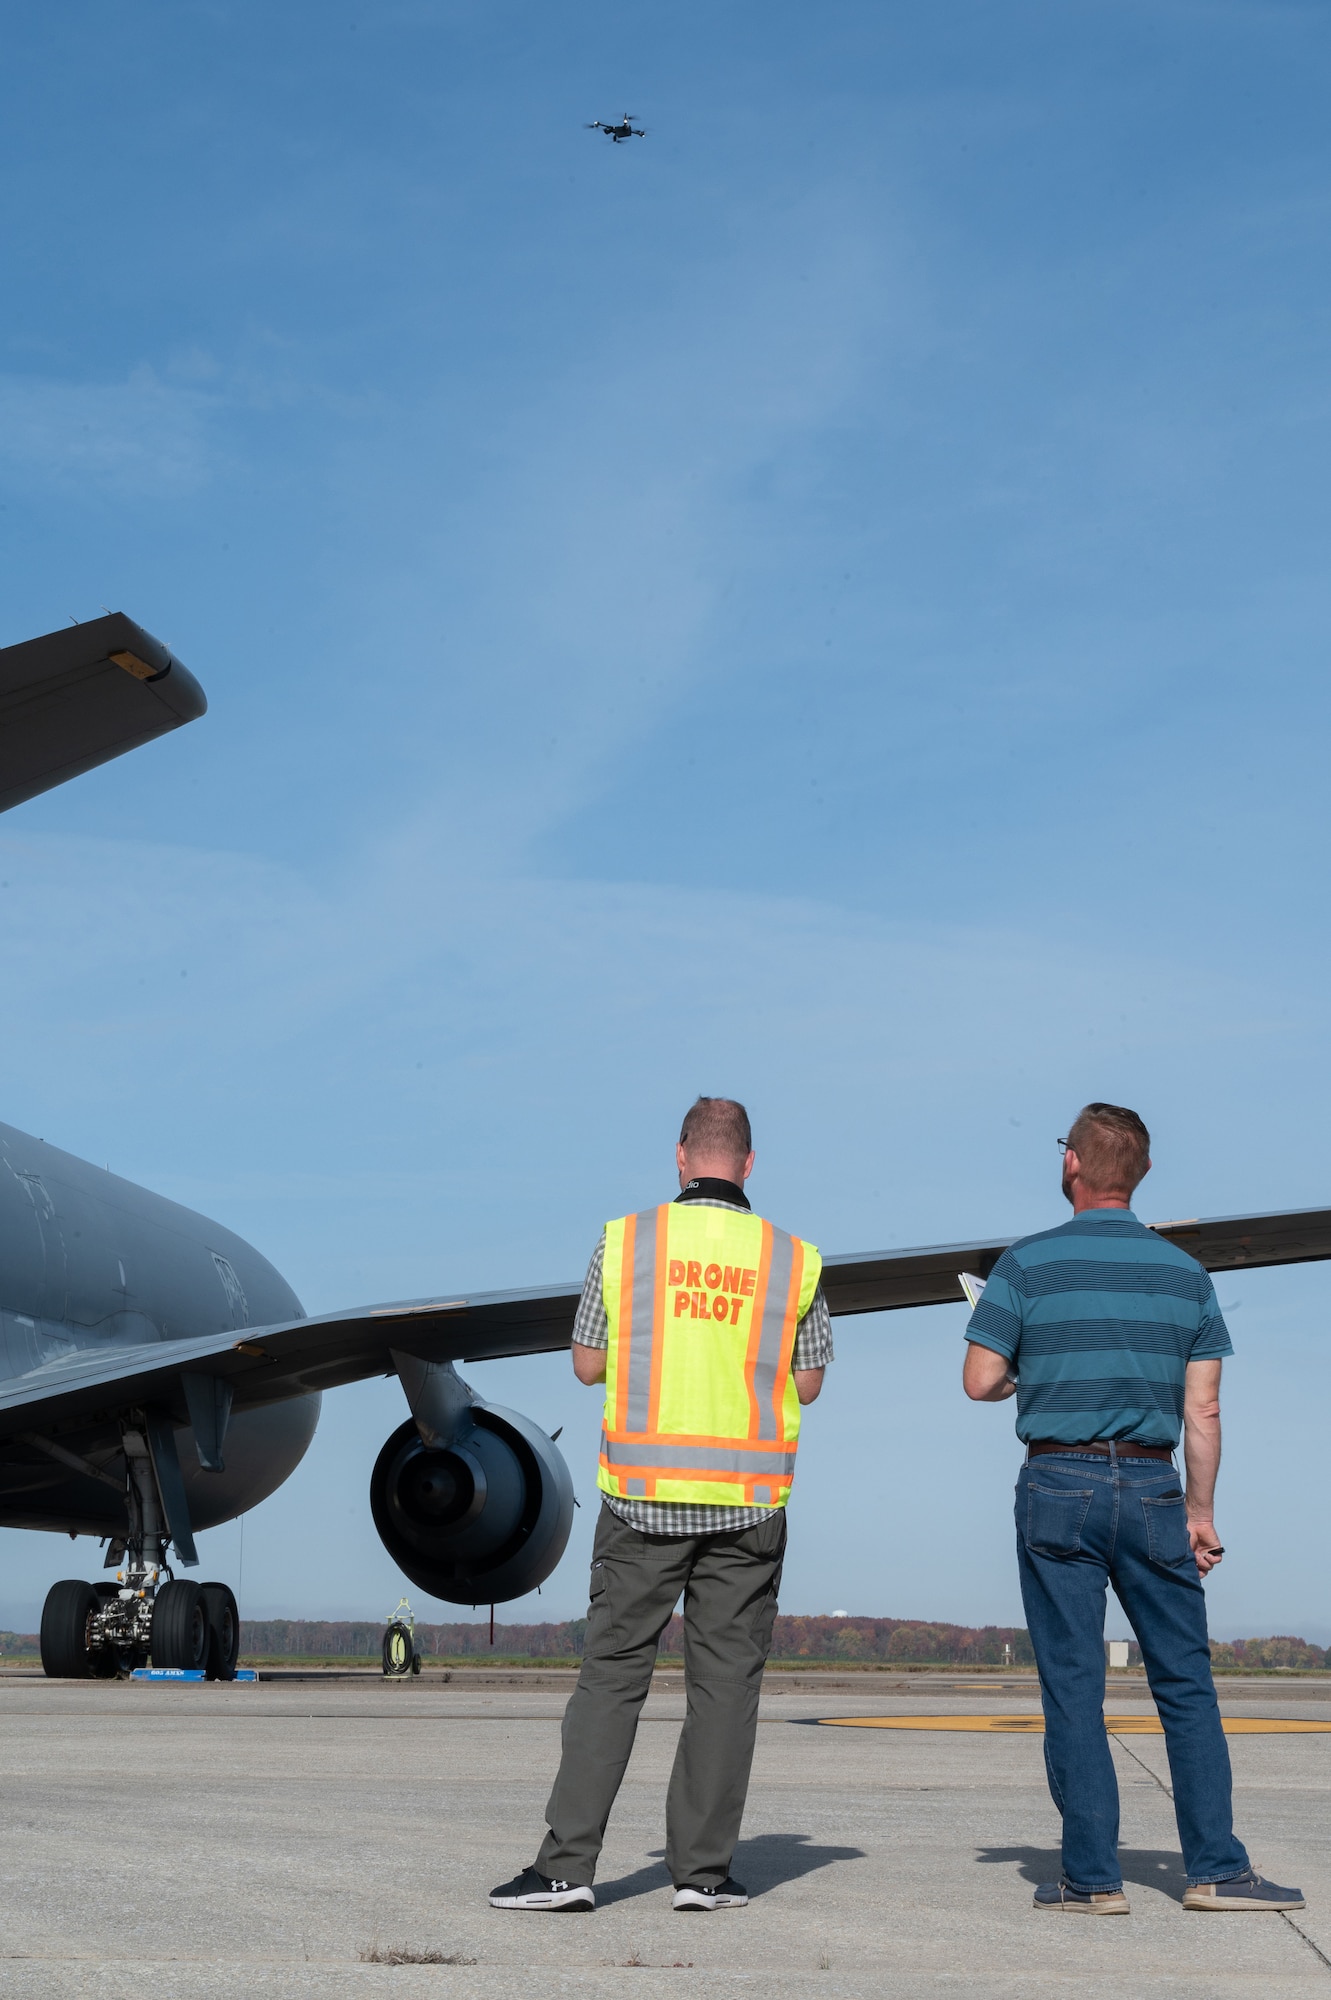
(179, 1635)
(223, 1618)
(67, 1617)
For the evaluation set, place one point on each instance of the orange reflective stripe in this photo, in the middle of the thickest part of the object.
(625, 1345)
(756, 1329)
(741, 1459)
(637, 1320)
(658, 1319)
(769, 1485)
(715, 1475)
(778, 1332)
(690, 1438)
(788, 1337)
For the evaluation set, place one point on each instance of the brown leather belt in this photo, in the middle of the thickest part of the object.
(1038, 1447)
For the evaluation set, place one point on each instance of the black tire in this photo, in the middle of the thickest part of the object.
(219, 1607)
(399, 1649)
(180, 1627)
(66, 1616)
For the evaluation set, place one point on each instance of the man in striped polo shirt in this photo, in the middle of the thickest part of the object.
(1112, 1340)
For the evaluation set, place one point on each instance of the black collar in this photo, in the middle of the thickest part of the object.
(708, 1189)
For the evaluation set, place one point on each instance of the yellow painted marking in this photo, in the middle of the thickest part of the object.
(132, 664)
(1033, 1725)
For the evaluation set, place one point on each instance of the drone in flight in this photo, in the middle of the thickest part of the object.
(626, 129)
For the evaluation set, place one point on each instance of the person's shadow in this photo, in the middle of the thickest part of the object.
(1148, 1867)
(760, 1864)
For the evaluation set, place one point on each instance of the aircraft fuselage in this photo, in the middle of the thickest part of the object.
(89, 1261)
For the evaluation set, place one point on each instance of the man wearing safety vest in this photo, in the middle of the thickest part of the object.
(709, 1329)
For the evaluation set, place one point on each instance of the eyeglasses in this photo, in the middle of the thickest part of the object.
(1062, 1145)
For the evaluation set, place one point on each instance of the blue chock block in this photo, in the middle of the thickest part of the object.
(177, 1674)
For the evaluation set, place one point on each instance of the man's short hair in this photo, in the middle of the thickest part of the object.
(717, 1128)
(1113, 1145)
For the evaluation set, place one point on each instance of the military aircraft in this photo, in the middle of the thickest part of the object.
(626, 129)
(158, 1376)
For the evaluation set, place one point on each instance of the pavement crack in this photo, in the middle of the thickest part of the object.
(1316, 1949)
(1145, 1767)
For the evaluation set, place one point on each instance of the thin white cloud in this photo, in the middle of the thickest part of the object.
(137, 437)
(385, 1045)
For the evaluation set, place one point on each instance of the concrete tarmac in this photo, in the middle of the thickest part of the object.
(195, 1842)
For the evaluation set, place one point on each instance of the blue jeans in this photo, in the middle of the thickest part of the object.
(1084, 1521)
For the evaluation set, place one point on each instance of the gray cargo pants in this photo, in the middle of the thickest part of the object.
(729, 1583)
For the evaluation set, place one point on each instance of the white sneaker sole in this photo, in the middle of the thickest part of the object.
(698, 1899)
(564, 1900)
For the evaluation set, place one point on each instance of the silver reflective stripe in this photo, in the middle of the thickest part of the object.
(642, 1313)
(636, 1489)
(768, 1461)
(773, 1326)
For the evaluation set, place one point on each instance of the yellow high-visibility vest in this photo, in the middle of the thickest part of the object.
(700, 1405)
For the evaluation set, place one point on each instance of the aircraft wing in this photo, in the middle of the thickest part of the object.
(269, 1363)
(893, 1279)
(81, 696)
(931, 1277)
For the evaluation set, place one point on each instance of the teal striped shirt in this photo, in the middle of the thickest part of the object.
(1100, 1317)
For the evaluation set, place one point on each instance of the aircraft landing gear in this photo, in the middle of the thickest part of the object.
(94, 1631)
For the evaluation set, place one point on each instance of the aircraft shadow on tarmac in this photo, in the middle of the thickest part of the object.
(761, 1863)
(1149, 1867)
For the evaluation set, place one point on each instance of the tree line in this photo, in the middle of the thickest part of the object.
(820, 1641)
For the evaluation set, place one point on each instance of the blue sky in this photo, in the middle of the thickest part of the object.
(826, 603)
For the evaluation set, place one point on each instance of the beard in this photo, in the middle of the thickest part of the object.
(1067, 1185)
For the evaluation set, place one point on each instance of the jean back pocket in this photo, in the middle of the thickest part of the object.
(1167, 1530)
(1055, 1517)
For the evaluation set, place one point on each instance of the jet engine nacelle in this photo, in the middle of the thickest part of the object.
(478, 1509)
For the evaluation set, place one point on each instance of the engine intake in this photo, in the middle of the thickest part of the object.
(478, 1517)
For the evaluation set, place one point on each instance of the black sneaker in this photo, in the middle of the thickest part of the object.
(727, 1895)
(1242, 1892)
(1088, 1902)
(533, 1891)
